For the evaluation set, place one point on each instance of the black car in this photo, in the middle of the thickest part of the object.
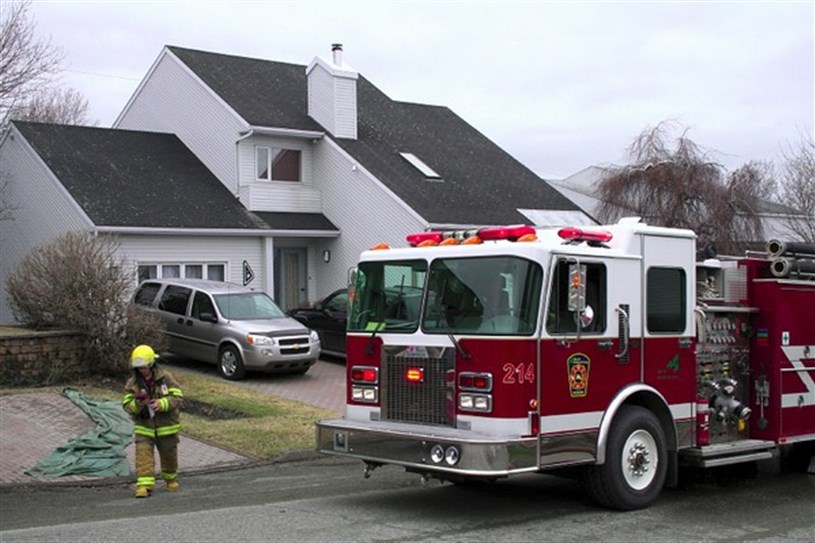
(328, 318)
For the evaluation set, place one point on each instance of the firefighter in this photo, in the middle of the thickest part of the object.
(152, 397)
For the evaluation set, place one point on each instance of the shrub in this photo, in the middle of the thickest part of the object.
(77, 282)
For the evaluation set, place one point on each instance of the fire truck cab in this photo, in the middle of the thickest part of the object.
(508, 350)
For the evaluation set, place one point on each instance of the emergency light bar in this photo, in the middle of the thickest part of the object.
(578, 234)
(469, 237)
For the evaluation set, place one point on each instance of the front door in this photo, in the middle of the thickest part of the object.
(291, 280)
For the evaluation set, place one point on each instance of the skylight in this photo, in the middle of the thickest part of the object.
(417, 163)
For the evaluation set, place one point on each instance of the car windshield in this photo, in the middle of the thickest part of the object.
(387, 296)
(248, 306)
(497, 295)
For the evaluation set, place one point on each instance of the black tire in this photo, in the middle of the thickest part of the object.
(636, 462)
(230, 363)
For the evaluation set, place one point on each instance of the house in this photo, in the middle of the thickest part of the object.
(272, 174)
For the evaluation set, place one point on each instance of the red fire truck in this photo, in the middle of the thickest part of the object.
(510, 350)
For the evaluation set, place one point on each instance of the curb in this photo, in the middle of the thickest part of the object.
(304, 455)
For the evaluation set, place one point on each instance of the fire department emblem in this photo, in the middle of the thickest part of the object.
(578, 368)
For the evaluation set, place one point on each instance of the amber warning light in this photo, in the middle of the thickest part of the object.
(414, 375)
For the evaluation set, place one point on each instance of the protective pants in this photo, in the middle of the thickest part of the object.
(145, 461)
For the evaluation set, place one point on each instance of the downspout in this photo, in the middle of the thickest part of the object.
(243, 136)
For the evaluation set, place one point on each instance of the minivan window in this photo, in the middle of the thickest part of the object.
(147, 293)
(248, 306)
(202, 303)
(175, 299)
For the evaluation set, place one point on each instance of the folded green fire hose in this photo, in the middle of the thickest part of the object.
(99, 452)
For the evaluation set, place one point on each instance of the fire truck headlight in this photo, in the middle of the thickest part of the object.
(451, 456)
(364, 394)
(475, 402)
(437, 454)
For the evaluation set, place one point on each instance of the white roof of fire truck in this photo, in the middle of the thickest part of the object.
(620, 240)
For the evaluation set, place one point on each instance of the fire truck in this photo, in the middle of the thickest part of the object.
(610, 350)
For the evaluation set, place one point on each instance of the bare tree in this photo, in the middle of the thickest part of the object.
(25, 61)
(798, 187)
(78, 282)
(7, 208)
(54, 105)
(680, 186)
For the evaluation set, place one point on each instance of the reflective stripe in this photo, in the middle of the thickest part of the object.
(165, 404)
(146, 481)
(140, 430)
(168, 430)
(129, 397)
(169, 476)
(175, 391)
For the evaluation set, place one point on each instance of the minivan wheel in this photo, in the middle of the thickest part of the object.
(230, 364)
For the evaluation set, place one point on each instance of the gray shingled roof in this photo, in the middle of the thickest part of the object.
(127, 178)
(481, 183)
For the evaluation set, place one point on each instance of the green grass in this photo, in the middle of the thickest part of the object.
(270, 426)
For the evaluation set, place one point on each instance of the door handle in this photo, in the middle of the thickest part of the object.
(189, 322)
(180, 320)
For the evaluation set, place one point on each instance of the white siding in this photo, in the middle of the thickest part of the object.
(42, 209)
(192, 250)
(332, 99)
(172, 99)
(362, 208)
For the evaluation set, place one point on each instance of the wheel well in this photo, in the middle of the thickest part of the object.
(643, 396)
(229, 343)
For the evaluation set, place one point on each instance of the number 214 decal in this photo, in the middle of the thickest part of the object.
(518, 374)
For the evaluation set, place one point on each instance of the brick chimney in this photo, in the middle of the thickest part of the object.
(332, 94)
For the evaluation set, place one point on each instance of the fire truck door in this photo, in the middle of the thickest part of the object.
(668, 349)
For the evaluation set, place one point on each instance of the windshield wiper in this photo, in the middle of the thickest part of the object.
(369, 349)
(459, 349)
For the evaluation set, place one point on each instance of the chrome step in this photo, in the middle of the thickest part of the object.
(724, 454)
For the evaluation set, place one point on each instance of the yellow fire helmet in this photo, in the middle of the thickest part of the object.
(143, 355)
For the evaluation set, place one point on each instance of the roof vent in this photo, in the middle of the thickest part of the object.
(417, 163)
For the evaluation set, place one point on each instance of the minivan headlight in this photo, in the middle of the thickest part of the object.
(254, 339)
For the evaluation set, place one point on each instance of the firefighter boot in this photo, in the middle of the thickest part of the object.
(173, 486)
(142, 491)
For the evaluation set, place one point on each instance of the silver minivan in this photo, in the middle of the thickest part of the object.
(237, 328)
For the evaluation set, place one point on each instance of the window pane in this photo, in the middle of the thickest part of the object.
(202, 303)
(170, 271)
(666, 300)
(286, 165)
(262, 162)
(559, 319)
(147, 272)
(194, 271)
(215, 272)
(147, 293)
(389, 296)
(175, 299)
(484, 296)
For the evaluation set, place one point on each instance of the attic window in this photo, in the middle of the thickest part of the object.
(277, 164)
(417, 163)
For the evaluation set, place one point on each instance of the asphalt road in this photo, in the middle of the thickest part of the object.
(327, 499)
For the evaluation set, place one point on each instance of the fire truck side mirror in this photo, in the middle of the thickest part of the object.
(586, 316)
(577, 288)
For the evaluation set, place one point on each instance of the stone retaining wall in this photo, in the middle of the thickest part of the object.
(40, 358)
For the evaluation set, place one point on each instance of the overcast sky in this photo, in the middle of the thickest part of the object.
(559, 85)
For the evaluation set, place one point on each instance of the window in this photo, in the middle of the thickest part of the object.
(388, 296)
(417, 163)
(562, 321)
(213, 272)
(194, 271)
(175, 299)
(277, 164)
(202, 303)
(485, 296)
(666, 300)
(147, 293)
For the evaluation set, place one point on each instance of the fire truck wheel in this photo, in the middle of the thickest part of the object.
(636, 462)
(230, 364)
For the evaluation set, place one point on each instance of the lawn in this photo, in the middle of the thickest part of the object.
(228, 415)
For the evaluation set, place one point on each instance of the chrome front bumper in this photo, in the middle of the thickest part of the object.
(410, 446)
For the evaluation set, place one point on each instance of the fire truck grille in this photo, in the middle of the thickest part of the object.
(416, 389)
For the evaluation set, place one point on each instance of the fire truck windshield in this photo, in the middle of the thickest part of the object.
(495, 295)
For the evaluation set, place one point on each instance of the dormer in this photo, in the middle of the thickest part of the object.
(332, 94)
